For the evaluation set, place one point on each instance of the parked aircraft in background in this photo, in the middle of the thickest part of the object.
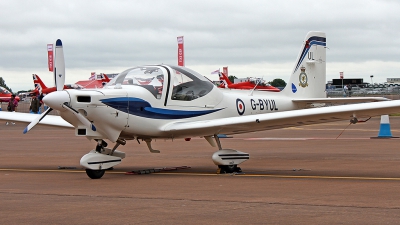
(98, 81)
(187, 105)
(5, 95)
(95, 81)
(251, 83)
(40, 87)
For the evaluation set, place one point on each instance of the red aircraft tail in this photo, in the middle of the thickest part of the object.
(39, 85)
(105, 79)
(223, 77)
(225, 82)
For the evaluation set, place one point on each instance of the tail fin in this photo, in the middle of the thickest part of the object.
(224, 80)
(105, 78)
(39, 85)
(308, 78)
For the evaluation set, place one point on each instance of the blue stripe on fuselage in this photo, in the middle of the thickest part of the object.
(140, 107)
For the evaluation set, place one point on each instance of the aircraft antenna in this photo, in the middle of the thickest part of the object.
(258, 81)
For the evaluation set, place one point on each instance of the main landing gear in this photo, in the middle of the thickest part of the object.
(228, 160)
(95, 174)
(101, 158)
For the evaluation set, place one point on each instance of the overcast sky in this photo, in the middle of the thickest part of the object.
(252, 38)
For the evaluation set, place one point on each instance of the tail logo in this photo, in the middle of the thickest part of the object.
(303, 77)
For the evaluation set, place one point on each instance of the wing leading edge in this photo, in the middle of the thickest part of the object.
(279, 120)
(27, 118)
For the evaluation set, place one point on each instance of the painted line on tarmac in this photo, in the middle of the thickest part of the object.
(39, 170)
(300, 139)
(287, 176)
(214, 174)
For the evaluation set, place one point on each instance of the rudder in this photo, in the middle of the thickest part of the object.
(308, 78)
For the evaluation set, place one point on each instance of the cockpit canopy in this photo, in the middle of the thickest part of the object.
(187, 85)
(259, 82)
(4, 91)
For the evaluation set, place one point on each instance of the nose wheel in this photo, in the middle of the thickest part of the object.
(95, 174)
(229, 169)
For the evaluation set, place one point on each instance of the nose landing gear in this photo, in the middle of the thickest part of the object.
(101, 158)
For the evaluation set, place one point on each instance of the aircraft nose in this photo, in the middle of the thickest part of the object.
(56, 99)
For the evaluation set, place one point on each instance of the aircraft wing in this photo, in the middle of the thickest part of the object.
(27, 118)
(308, 101)
(277, 120)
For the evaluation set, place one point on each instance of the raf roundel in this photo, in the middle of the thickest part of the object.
(240, 106)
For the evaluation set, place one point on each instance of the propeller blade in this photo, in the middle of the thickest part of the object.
(59, 68)
(37, 120)
(81, 118)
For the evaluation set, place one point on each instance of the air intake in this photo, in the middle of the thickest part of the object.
(84, 99)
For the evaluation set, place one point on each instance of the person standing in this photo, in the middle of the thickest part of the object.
(34, 108)
(40, 97)
(349, 89)
(345, 90)
(45, 107)
(12, 104)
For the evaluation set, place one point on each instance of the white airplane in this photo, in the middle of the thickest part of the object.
(187, 105)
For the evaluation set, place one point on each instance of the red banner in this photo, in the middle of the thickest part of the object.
(225, 70)
(341, 75)
(181, 55)
(50, 57)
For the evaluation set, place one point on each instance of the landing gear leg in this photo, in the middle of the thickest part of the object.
(101, 144)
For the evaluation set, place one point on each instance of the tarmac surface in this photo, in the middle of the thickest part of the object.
(320, 174)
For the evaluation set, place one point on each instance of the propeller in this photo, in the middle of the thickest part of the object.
(59, 69)
(37, 120)
(59, 99)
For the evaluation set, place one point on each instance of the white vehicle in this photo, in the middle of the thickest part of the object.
(23, 96)
(168, 102)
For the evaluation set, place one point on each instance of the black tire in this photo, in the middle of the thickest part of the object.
(95, 174)
(227, 169)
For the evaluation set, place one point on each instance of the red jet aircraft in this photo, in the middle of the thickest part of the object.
(98, 82)
(40, 87)
(95, 81)
(5, 95)
(251, 83)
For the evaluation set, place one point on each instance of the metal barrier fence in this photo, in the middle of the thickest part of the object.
(393, 93)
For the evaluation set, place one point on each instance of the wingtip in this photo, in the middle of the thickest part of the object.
(25, 130)
(58, 42)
